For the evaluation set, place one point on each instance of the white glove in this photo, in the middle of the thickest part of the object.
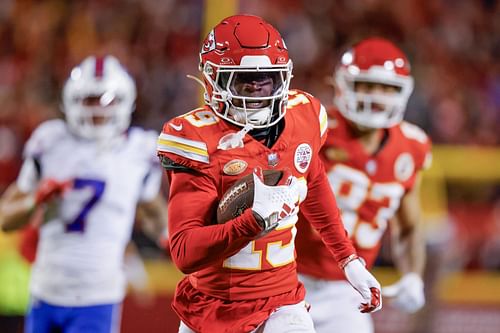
(274, 203)
(365, 283)
(407, 294)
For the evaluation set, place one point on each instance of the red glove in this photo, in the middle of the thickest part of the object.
(49, 189)
(29, 242)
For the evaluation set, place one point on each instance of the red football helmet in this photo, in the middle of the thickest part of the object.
(373, 60)
(244, 47)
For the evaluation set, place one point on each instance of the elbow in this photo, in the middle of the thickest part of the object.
(9, 225)
(4, 226)
(184, 265)
(8, 228)
(181, 258)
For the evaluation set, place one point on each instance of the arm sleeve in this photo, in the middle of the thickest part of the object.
(320, 209)
(29, 176)
(151, 183)
(195, 242)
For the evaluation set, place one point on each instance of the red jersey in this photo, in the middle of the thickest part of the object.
(226, 262)
(368, 188)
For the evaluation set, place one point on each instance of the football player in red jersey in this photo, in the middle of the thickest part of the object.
(241, 275)
(373, 159)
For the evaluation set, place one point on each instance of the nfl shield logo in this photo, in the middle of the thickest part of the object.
(272, 159)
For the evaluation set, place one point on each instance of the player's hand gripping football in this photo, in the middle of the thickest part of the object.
(407, 294)
(273, 203)
(49, 189)
(364, 282)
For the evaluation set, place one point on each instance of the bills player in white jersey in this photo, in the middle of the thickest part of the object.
(90, 174)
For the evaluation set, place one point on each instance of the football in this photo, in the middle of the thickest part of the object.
(240, 195)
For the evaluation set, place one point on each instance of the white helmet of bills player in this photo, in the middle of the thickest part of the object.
(98, 98)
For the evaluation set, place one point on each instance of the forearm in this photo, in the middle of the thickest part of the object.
(153, 217)
(15, 211)
(197, 247)
(408, 244)
(408, 250)
(320, 209)
(196, 240)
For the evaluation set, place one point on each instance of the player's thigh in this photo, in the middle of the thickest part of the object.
(334, 307)
(288, 319)
(94, 319)
(40, 317)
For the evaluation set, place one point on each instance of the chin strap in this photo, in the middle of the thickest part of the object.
(199, 81)
(234, 140)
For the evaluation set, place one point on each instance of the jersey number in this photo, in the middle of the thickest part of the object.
(277, 253)
(366, 206)
(202, 118)
(96, 188)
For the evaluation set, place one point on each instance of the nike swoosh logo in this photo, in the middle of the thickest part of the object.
(175, 127)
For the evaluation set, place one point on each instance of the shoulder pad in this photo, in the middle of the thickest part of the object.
(46, 135)
(187, 139)
(413, 132)
(143, 143)
(299, 98)
(420, 142)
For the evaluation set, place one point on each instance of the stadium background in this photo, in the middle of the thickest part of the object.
(454, 47)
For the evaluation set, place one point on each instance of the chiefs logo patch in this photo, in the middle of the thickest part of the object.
(235, 167)
(404, 167)
(303, 156)
(209, 44)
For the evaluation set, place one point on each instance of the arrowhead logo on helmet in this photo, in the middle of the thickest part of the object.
(209, 43)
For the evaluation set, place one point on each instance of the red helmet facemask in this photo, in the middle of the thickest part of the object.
(246, 71)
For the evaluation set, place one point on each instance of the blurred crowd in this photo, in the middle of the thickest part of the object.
(452, 44)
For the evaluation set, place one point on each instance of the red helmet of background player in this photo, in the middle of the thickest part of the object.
(242, 45)
(374, 60)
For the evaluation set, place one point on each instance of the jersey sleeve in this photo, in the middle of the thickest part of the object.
(153, 178)
(320, 116)
(320, 209)
(43, 137)
(29, 175)
(319, 119)
(323, 123)
(195, 242)
(181, 144)
(421, 145)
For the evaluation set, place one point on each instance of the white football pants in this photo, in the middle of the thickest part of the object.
(334, 306)
(286, 319)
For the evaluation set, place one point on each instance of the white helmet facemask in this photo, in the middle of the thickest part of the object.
(98, 99)
(240, 109)
(374, 109)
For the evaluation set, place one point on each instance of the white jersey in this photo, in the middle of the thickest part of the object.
(80, 253)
